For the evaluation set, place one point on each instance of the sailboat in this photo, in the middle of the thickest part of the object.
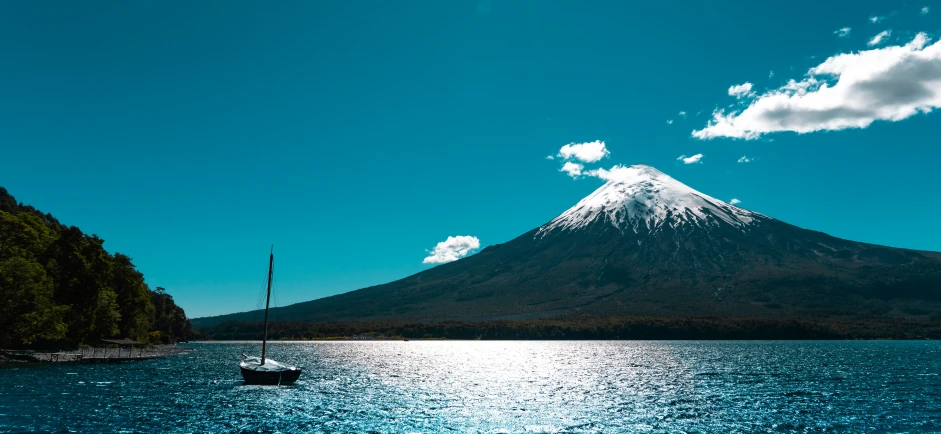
(262, 370)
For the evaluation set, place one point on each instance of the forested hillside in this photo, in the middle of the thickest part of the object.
(58, 286)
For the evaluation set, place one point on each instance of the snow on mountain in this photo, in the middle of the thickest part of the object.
(641, 197)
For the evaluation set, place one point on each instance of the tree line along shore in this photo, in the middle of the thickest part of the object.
(587, 328)
(59, 288)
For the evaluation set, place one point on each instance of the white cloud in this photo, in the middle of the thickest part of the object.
(669, 121)
(745, 159)
(770, 74)
(683, 114)
(690, 160)
(588, 152)
(573, 169)
(741, 90)
(875, 19)
(879, 38)
(890, 83)
(549, 157)
(843, 33)
(735, 201)
(618, 172)
(452, 249)
(925, 10)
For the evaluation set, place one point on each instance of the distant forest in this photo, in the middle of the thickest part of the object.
(589, 327)
(59, 287)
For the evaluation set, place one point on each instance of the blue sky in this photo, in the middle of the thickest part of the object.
(355, 136)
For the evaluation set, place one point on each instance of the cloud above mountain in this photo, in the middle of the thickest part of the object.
(588, 152)
(691, 159)
(617, 173)
(572, 169)
(850, 90)
(452, 249)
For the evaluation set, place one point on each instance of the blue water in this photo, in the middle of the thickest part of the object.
(509, 387)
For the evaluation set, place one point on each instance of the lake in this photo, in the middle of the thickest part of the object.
(496, 386)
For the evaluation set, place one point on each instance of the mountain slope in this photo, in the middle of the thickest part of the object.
(646, 244)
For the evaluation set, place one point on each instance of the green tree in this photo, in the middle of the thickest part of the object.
(169, 319)
(82, 272)
(23, 235)
(27, 313)
(106, 315)
(133, 298)
(7, 202)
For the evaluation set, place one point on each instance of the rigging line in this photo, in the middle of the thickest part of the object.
(274, 292)
(274, 295)
(260, 302)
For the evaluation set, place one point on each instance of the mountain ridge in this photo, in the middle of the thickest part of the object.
(644, 244)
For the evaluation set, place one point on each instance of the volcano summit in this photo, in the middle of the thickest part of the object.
(646, 244)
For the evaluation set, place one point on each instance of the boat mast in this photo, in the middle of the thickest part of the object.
(264, 341)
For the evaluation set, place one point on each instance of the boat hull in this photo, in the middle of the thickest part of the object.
(271, 378)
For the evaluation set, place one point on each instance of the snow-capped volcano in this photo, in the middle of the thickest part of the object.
(645, 244)
(642, 198)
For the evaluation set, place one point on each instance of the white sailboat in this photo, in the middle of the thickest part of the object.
(261, 370)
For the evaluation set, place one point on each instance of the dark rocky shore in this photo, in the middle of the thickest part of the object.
(78, 355)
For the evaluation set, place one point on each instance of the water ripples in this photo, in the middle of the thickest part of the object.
(500, 387)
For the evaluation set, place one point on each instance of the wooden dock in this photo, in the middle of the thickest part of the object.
(88, 355)
(89, 360)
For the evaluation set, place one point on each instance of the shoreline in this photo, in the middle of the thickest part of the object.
(592, 328)
(301, 341)
(88, 355)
